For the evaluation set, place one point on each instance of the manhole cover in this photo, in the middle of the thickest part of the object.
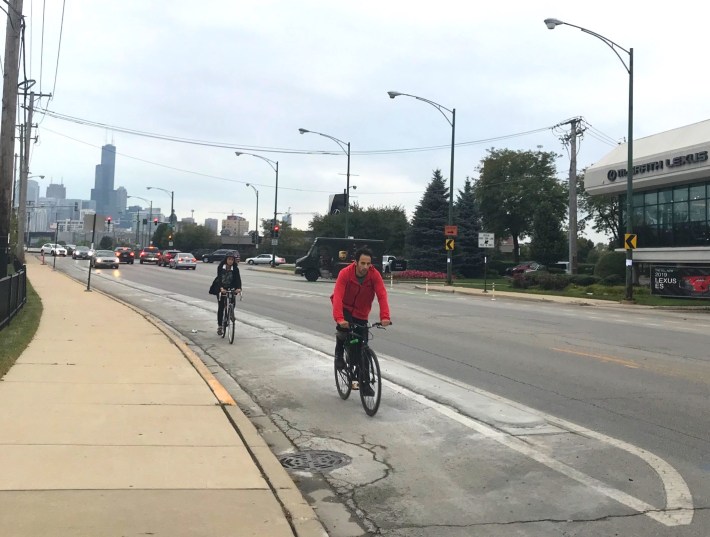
(314, 461)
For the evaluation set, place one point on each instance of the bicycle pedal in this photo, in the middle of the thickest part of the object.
(355, 385)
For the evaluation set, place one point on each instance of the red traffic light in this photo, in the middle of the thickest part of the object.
(276, 228)
(155, 221)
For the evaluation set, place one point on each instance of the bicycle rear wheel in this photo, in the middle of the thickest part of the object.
(343, 378)
(370, 376)
(230, 323)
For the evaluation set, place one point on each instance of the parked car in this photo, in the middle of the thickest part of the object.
(183, 260)
(527, 266)
(265, 259)
(218, 255)
(125, 255)
(150, 254)
(166, 256)
(104, 258)
(53, 249)
(82, 252)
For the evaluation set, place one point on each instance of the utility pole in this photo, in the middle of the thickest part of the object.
(24, 174)
(7, 125)
(575, 131)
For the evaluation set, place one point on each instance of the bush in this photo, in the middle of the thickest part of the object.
(611, 263)
(613, 279)
(543, 280)
(583, 280)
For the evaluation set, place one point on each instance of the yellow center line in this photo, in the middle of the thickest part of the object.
(604, 358)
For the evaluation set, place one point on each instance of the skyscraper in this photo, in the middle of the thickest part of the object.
(56, 191)
(103, 192)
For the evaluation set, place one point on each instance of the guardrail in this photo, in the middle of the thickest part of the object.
(13, 295)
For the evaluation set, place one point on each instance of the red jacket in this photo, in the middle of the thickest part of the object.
(357, 297)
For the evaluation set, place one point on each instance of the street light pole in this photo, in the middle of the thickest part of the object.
(274, 166)
(172, 199)
(256, 238)
(551, 24)
(452, 122)
(345, 146)
(148, 227)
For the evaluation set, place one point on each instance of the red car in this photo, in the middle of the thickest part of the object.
(166, 256)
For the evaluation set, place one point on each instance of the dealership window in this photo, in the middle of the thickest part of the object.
(671, 216)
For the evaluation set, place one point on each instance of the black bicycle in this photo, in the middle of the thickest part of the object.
(228, 319)
(362, 370)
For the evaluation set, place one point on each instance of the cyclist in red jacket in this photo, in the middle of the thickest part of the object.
(355, 291)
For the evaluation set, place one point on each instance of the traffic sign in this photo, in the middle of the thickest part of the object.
(630, 241)
(275, 242)
(486, 240)
(451, 231)
(449, 244)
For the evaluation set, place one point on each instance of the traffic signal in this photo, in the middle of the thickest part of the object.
(276, 231)
(145, 221)
(108, 222)
(76, 205)
(155, 221)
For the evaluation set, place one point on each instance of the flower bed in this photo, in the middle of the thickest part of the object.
(419, 275)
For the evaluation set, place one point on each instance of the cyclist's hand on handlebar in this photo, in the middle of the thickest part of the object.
(385, 322)
(344, 324)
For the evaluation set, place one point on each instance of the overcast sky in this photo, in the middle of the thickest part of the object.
(250, 74)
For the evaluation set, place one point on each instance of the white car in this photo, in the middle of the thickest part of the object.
(104, 258)
(183, 260)
(53, 249)
(265, 259)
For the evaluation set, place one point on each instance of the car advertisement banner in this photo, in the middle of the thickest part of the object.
(690, 282)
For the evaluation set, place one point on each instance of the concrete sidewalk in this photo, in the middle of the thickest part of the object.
(111, 426)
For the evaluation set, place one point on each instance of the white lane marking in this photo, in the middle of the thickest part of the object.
(679, 508)
(677, 494)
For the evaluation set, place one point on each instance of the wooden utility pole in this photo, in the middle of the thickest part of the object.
(571, 138)
(573, 196)
(7, 125)
(22, 190)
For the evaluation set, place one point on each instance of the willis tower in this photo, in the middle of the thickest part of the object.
(103, 192)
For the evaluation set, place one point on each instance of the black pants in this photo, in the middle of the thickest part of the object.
(359, 327)
(221, 305)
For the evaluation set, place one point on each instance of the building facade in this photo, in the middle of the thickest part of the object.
(671, 195)
(235, 226)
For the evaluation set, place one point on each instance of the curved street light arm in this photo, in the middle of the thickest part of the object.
(551, 23)
(341, 144)
(273, 163)
(439, 107)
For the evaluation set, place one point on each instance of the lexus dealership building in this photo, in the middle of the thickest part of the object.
(671, 195)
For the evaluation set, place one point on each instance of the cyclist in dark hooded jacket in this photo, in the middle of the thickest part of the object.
(229, 278)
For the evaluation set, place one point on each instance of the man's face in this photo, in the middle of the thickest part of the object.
(363, 265)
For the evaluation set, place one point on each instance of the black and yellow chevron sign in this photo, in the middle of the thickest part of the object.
(630, 241)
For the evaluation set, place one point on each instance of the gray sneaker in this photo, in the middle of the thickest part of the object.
(219, 331)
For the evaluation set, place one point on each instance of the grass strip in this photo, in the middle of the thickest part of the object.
(18, 334)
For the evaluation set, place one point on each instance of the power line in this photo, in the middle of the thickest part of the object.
(59, 50)
(267, 149)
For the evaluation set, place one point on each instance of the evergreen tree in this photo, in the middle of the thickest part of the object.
(549, 242)
(425, 238)
(468, 257)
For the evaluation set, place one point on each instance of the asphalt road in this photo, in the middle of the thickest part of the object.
(620, 395)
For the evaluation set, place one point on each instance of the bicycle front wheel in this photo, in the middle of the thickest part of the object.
(342, 378)
(230, 324)
(370, 382)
